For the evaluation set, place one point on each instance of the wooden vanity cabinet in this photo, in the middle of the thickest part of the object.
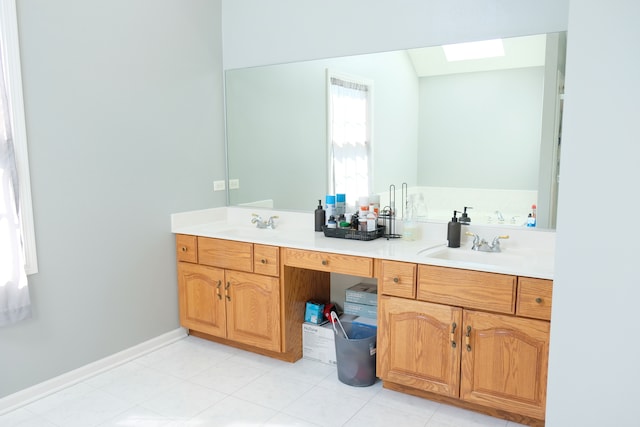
(465, 337)
(221, 295)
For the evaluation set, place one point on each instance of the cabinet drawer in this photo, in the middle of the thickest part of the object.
(186, 248)
(225, 254)
(466, 288)
(534, 298)
(330, 262)
(398, 279)
(266, 260)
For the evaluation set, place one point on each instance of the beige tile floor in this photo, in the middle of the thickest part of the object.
(195, 382)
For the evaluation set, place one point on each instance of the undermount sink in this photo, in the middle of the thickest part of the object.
(506, 258)
(248, 232)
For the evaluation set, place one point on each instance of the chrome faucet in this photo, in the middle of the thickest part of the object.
(260, 223)
(482, 245)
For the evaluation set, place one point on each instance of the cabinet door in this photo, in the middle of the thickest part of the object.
(419, 344)
(505, 363)
(202, 305)
(253, 309)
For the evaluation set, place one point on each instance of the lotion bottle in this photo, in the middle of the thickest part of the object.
(453, 231)
(320, 216)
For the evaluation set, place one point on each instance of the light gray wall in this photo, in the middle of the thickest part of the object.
(258, 32)
(481, 130)
(124, 118)
(594, 372)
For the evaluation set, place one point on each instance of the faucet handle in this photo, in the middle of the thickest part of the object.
(496, 240)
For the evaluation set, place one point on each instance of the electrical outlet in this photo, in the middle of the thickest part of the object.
(218, 185)
(234, 184)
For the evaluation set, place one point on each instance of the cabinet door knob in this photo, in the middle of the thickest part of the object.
(539, 300)
(183, 249)
(264, 261)
(397, 280)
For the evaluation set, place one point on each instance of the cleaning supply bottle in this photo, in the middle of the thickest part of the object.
(330, 206)
(341, 204)
(453, 231)
(320, 216)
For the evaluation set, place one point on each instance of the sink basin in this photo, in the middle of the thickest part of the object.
(505, 258)
(249, 232)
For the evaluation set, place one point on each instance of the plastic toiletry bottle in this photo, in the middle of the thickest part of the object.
(363, 207)
(331, 223)
(372, 221)
(453, 231)
(320, 216)
(534, 209)
(410, 230)
(374, 203)
(341, 204)
(330, 206)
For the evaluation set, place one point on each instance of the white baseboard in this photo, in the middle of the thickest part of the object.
(38, 391)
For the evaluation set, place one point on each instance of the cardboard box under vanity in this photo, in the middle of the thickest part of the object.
(362, 293)
(364, 310)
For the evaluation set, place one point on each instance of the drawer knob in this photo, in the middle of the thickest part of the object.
(183, 249)
(264, 261)
(325, 262)
(539, 300)
(396, 280)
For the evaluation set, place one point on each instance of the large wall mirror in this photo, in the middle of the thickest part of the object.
(482, 133)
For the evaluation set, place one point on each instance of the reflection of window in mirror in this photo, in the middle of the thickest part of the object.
(349, 130)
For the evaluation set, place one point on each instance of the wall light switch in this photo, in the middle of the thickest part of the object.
(218, 185)
(234, 184)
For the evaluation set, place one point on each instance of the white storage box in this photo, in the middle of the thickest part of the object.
(318, 341)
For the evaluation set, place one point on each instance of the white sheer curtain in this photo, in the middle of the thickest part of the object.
(15, 304)
(349, 138)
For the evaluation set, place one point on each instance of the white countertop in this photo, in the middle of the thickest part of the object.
(527, 252)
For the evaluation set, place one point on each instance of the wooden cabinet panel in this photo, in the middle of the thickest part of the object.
(225, 254)
(202, 306)
(253, 309)
(397, 279)
(534, 298)
(330, 262)
(419, 344)
(186, 248)
(266, 260)
(466, 288)
(505, 365)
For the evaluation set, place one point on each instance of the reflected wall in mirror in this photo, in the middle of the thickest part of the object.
(482, 133)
